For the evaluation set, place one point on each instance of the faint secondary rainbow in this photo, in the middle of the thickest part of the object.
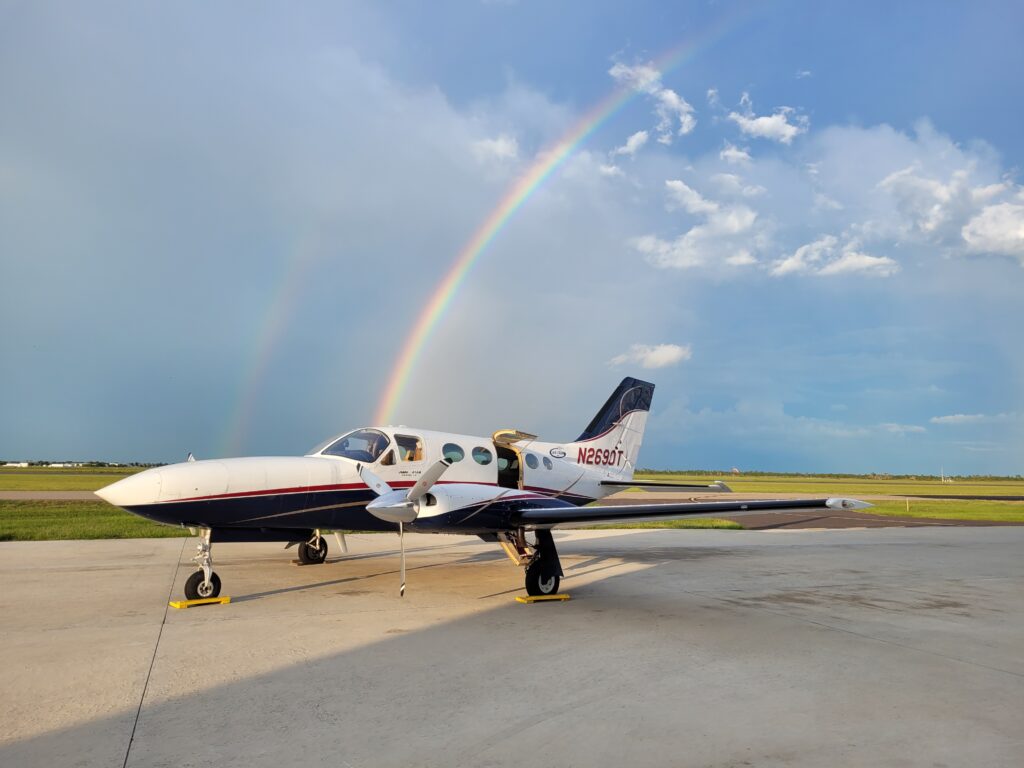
(524, 186)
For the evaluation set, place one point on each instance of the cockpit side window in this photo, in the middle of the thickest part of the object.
(360, 445)
(410, 448)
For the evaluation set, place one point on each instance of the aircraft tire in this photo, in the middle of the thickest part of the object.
(194, 586)
(538, 583)
(313, 555)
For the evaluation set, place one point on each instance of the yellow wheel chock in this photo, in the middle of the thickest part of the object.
(203, 601)
(542, 598)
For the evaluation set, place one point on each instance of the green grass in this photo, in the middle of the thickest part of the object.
(72, 479)
(987, 511)
(846, 486)
(49, 520)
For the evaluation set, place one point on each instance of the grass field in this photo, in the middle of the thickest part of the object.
(46, 479)
(51, 520)
(942, 509)
(41, 520)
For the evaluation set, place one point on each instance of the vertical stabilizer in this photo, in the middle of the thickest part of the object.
(612, 439)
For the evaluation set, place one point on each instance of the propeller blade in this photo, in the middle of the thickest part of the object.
(427, 479)
(373, 482)
(401, 546)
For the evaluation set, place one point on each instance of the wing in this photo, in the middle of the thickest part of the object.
(551, 517)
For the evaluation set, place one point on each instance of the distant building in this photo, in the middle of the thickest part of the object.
(735, 470)
(16, 464)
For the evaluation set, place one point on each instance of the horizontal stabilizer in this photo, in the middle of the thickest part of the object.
(716, 487)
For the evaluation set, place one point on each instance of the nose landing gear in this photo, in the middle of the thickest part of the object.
(204, 582)
(314, 551)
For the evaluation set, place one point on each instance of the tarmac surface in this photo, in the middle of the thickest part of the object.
(892, 647)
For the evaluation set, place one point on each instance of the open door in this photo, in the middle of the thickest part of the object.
(510, 461)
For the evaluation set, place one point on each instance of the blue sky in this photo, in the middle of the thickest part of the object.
(219, 221)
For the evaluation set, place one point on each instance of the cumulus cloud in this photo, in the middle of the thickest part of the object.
(734, 155)
(997, 229)
(855, 262)
(632, 145)
(669, 106)
(806, 258)
(610, 170)
(654, 355)
(782, 126)
(502, 148)
(802, 74)
(824, 257)
(690, 200)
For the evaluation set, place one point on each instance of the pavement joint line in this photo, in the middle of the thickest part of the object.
(866, 636)
(156, 646)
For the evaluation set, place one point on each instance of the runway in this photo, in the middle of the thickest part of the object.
(797, 648)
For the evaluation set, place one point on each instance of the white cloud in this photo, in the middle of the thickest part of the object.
(806, 257)
(902, 429)
(823, 257)
(854, 262)
(959, 419)
(741, 258)
(610, 170)
(502, 148)
(632, 145)
(803, 73)
(669, 106)
(654, 356)
(733, 184)
(998, 229)
(734, 155)
(777, 126)
(713, 100)
(689, 199)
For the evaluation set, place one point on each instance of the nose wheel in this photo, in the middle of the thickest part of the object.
(314, 551)
(204, 582)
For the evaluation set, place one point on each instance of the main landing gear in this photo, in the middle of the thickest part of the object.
(543, 569)
(204, 582)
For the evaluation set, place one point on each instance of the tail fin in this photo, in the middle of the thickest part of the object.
(612, 439)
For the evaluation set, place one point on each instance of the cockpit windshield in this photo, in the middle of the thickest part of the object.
(361, 445)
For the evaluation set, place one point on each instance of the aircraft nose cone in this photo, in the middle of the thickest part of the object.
(134, 490)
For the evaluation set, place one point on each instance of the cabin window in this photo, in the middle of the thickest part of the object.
(482, 455)
(531, 461)
(453, 452)
(547, 462)
(360, 445)
(409, 448)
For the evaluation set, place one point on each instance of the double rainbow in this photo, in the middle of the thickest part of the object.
(532, 178)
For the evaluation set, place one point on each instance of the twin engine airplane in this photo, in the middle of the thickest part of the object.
(509, 488)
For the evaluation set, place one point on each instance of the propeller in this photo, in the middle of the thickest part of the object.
(400, 506)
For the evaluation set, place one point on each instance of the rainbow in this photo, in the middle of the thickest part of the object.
(284, 300)
(519, 192)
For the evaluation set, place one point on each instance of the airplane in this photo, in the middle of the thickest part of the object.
(509, 488)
